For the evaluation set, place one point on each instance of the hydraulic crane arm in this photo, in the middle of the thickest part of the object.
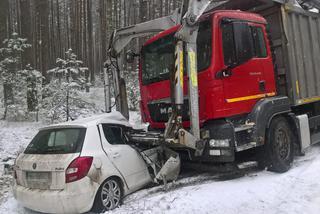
(122, 37)
(187, 35)
(310, 3)
(119, 40)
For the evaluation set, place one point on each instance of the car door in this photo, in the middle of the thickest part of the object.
(126, 159)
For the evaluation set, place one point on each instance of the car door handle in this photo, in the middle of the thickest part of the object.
(116, 155)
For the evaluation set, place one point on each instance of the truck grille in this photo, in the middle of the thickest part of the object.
(159, 111)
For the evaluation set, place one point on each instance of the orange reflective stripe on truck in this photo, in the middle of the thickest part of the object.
(251, 97)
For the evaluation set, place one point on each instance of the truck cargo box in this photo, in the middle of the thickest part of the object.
(295, 36)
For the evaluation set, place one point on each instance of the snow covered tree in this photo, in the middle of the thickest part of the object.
(133, 90)
(61, 94)
(10, 66)
(33, 84)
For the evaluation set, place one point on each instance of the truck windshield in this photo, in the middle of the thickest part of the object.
(57, 141)
(158, 57)
(158, 60)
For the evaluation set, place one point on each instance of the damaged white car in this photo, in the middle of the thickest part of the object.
(89, 164)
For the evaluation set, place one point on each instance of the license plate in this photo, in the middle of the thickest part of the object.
(39, 176)
(38, 180)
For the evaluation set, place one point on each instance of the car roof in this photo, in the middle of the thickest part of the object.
(114, 117)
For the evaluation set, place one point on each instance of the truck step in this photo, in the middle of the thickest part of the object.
(244, 127)
(248, 165)
(246, 146)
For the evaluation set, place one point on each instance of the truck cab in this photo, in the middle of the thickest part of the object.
(235, 68)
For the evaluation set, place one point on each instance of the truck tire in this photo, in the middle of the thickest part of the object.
(277, 154)
(108, 197)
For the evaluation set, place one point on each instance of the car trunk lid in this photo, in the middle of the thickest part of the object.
(44, 162)
(43, 171)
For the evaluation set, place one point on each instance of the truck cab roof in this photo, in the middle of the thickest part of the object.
(251, 17)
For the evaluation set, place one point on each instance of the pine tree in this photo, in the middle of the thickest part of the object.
(61, 95)
(10, 67)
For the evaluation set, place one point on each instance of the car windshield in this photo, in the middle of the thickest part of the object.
(57, 141)
(158, 57)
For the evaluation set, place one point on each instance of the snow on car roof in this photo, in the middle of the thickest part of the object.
(114, 117)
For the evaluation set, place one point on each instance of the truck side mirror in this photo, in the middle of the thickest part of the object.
(243, 42)
(130, 55)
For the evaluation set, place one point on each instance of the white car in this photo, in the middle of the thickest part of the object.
(80, 166)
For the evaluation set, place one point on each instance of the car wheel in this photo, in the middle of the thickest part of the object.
(279, 149)
(108, 197)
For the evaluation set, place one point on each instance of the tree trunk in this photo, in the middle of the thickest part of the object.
(8, 97)
(67, 104)
(26, 30)
(4, 18)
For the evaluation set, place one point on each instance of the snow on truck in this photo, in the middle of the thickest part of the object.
(251, 69)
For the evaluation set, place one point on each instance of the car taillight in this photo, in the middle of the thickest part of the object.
(78, 169)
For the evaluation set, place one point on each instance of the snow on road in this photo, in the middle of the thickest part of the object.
(297, 191)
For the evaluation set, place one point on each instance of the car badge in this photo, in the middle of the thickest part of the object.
(34, 165)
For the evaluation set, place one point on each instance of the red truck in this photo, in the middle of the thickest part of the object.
(258, 82)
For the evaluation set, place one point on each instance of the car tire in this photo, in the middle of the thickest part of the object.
(278, 152)
(108, 197)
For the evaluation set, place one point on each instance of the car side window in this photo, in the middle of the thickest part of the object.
(113, 134)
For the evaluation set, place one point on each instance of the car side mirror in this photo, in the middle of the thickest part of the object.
(243, 43)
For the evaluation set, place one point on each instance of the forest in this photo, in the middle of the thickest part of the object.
(51, 50)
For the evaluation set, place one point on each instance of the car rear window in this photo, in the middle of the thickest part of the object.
(57, 141)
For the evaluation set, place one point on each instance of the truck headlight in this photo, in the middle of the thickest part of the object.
(219, 143)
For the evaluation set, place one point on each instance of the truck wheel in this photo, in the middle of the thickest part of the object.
(279, 148)
(108, 197)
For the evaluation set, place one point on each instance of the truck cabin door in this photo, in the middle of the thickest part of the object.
(244, 53)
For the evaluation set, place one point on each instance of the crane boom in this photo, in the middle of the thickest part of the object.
(122, 37)
(188, 34)
(119, 40)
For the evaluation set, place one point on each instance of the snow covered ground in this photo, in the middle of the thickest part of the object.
(14, 137)
(297, 191)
